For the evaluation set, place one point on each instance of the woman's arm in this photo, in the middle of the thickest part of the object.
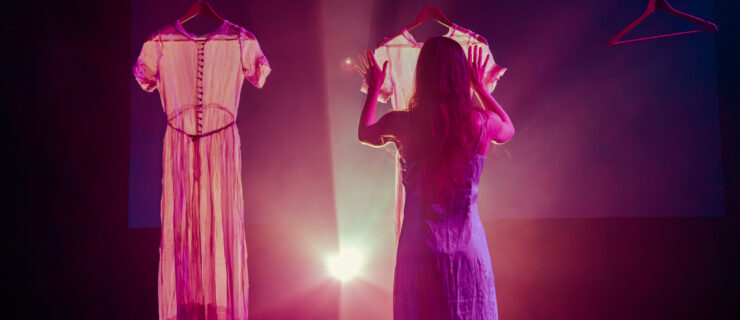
(502, 126)
(370, 131)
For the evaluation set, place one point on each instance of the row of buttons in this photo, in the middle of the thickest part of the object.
(199, 86)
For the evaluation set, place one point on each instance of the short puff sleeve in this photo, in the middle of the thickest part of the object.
(254, 63)
(386, 90)
(145, 69)
(493, 71)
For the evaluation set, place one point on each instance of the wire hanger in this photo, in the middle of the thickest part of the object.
(200, 7)
(430, 12)
(663, 6)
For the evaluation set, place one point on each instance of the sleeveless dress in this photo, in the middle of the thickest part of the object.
(443, 268)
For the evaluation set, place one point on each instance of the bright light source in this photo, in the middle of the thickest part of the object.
(347, 64)
(345, 265)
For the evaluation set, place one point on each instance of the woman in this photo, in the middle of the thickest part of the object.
(443, 269)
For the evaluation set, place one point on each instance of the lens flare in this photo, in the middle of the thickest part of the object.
(347, 64)
(346, 264)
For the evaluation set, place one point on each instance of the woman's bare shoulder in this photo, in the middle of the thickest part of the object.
(478, 115)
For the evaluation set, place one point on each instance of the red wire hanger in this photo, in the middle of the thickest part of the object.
(663, 6)
(200, 7)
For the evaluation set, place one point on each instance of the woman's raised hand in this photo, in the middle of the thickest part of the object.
(477, 69)
(373, 75)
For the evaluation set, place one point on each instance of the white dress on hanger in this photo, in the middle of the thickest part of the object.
(203, 252)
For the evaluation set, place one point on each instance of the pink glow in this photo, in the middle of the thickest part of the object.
(571, 101)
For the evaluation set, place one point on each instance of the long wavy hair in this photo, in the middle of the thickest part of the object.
(440, 108)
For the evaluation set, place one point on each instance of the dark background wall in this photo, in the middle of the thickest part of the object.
(71, 254)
